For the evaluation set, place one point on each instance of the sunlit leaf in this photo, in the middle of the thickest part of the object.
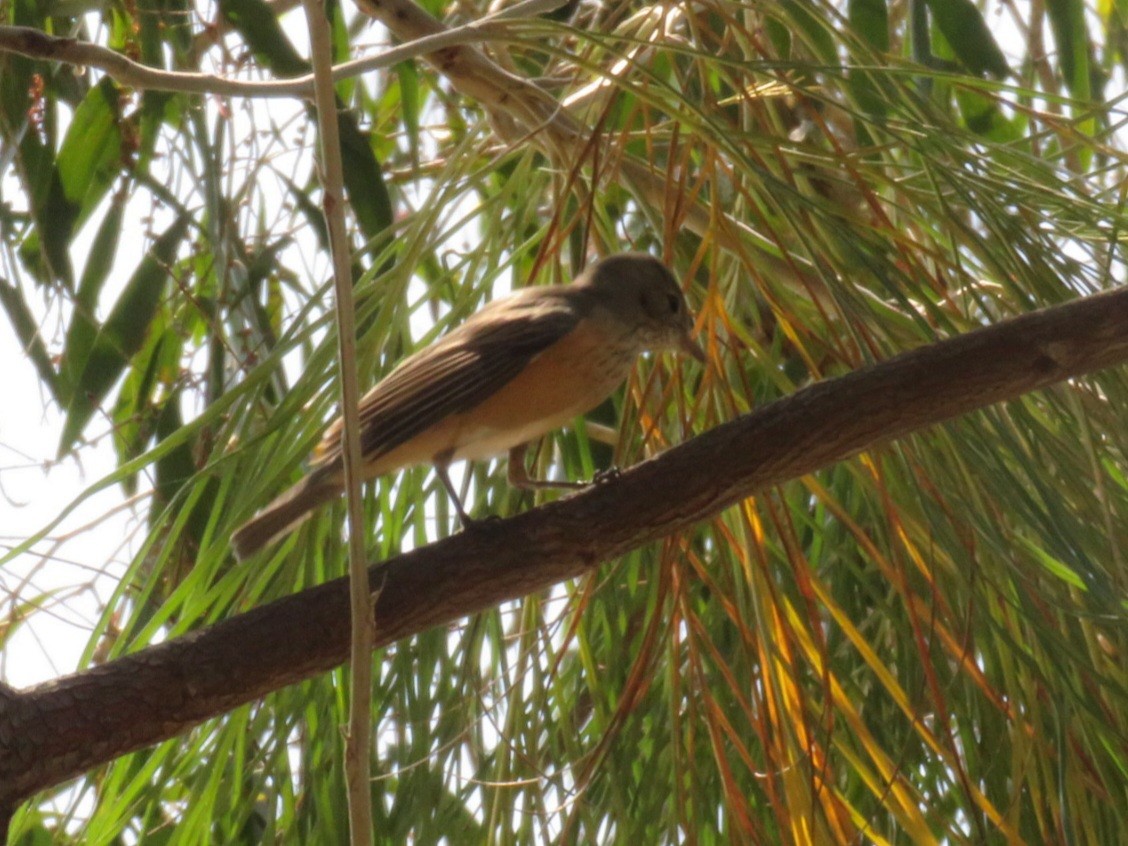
(91, 154)
(870, 20)
(967, 32)
(920, 644)
(84, 324)
(122, 333)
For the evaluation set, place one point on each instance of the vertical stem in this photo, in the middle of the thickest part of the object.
(359, 732)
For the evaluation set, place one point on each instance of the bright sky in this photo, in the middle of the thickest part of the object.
(34, 490)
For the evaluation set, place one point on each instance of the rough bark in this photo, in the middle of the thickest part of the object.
(61, 729)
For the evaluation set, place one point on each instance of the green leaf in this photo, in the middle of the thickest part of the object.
(27, 330)
(173, 468)
(46, 249)
(84, 325)
(962, 24)
(1067, 20)
(162, 23)
(985, 117)
(779, 34)
(263, 33)
(310, 210)
(408, 77)
(870, 20)
(32, 828)
(812, 30)
(158, 109)
(158, 21)
(122, 335)
(364, 181)
(65, 189)
(155, 365)
(91, 153)
(1055, 567)
(364, 178)
(17, 71)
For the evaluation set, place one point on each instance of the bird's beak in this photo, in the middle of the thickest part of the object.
(691, 347)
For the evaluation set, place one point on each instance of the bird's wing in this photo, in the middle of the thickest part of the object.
(455, 374)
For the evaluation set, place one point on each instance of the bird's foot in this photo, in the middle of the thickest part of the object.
(610, 474)
(471, 524)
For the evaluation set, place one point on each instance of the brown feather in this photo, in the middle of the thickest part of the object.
(518, 368)
(284, 513)
(456, 373)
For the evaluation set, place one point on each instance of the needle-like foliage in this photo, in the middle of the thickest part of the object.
(926, 643)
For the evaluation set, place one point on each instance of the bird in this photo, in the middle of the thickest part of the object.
(520, 367)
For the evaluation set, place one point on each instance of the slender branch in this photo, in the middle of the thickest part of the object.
(518, 107)
(521, 110)
(35, 44)
(59, 730)
(358, 737)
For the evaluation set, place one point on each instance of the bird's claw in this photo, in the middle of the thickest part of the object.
(608, 475)
(471, 523)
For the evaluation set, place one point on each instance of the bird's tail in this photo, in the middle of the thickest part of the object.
(284, 513)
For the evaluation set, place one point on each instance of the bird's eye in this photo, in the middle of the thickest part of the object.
(674, 302)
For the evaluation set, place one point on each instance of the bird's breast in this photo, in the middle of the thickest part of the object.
(564, 381)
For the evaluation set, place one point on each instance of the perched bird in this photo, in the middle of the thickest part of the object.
(519, 368)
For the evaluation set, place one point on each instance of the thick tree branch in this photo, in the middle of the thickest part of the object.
(61, 729)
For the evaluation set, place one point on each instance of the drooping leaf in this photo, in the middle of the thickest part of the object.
(310, 211)
(122, 334)
(1067, 20)
(45, 251)
(158, 23)
(163, 24)
(810, 28)
(91, 154)
(177, 466)
(963, 26)
(26, 327)
(66, 189)
(258, 24)
(870, 20)
(84, 324)
(407, 77)
(154, 366)
(364, 181)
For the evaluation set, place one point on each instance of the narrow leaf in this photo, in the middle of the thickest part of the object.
(408, 77)
(90, 156)
(870, 20)
(962, 25)
(27, 330)
(1067, 20)
(84, 325)
(263, 33)
(123, 333)
(364, 180)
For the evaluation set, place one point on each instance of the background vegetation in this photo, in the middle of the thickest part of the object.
(926, 643)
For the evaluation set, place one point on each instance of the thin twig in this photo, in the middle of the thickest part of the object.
(361, 600)
(520, 111)
(35, 44)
